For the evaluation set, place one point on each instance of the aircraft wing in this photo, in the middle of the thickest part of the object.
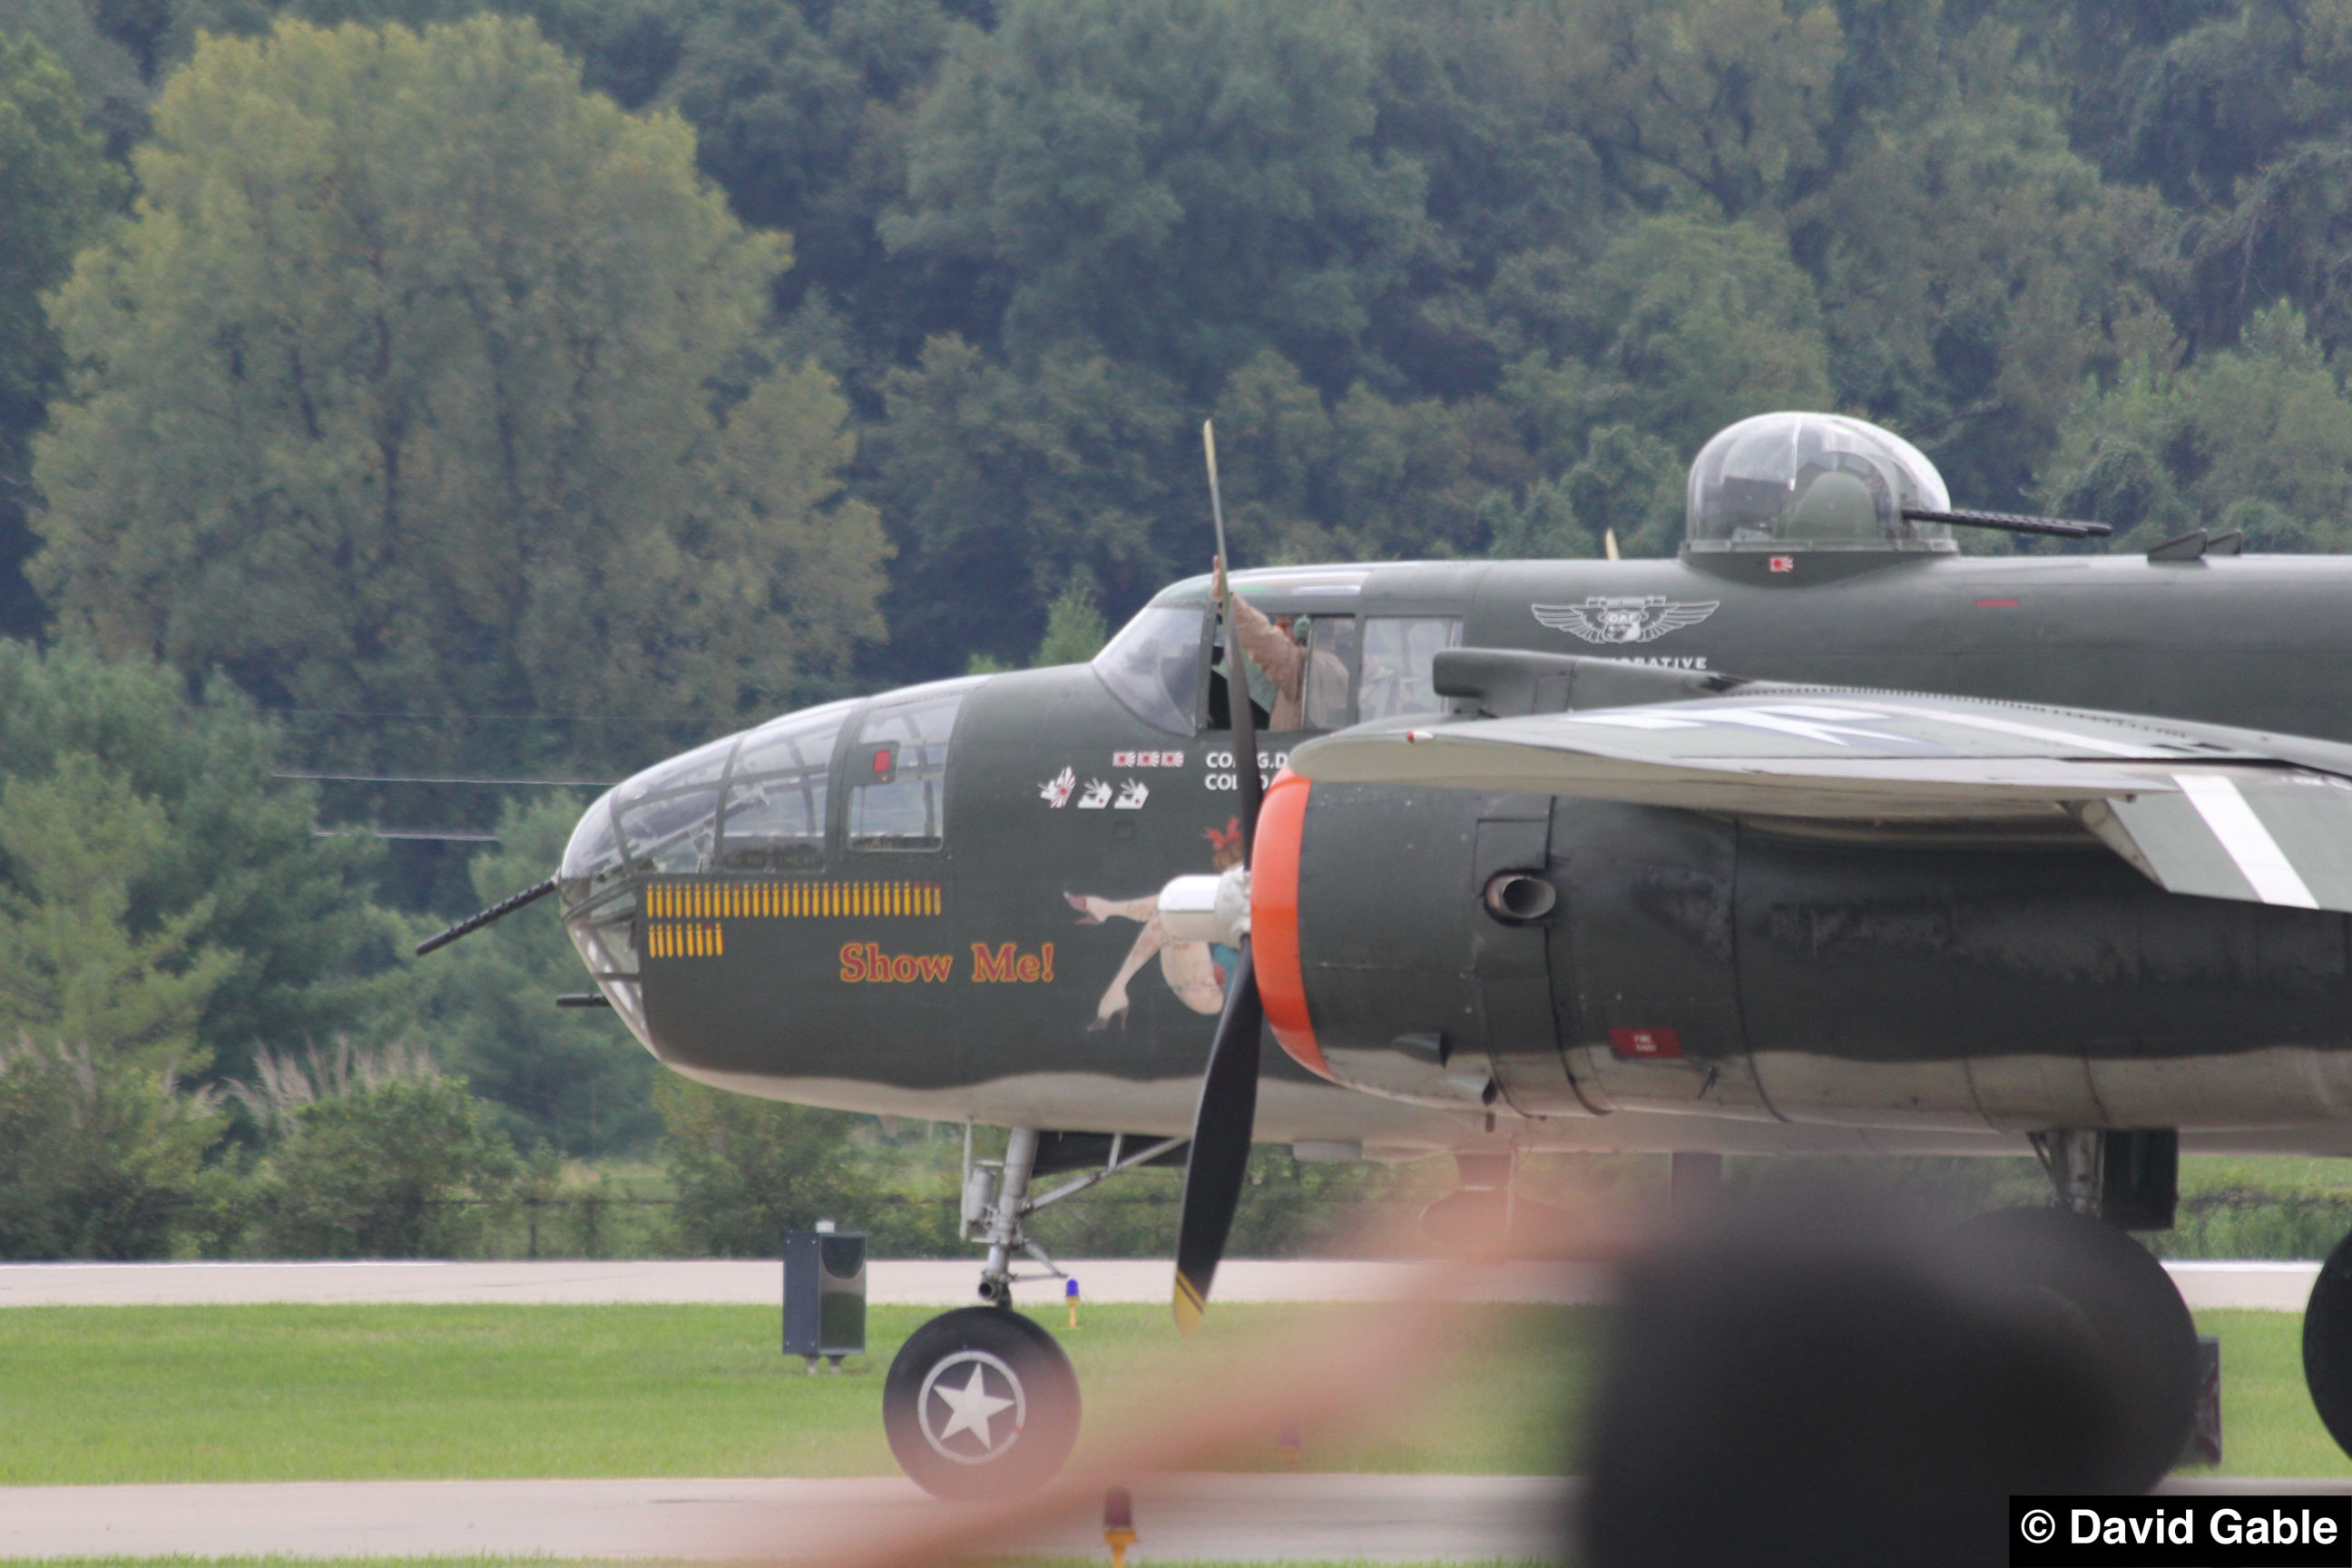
(2200, 809)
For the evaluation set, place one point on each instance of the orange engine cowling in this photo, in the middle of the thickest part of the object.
(1274, 920)
(1371, 953)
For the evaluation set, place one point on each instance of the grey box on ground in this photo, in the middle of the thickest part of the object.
(824, 1296)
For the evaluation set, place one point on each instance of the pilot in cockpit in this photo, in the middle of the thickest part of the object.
(1307, 680)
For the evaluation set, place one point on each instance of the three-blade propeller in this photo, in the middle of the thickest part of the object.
(1218, 1163)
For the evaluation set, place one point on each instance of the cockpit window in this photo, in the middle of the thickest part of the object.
(669, 814)
(1812, 481)
(1153, 666)
(776, 792)
(899, 769)
(1330, 652)
(1399, 653)
(596, 847)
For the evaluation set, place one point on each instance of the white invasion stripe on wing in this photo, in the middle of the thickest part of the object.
(2022, 732)
(2249, 842)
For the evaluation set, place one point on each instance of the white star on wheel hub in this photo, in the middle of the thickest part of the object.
(972, 1411)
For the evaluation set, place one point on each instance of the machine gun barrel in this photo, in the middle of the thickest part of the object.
(2011, 523)
(475, 923)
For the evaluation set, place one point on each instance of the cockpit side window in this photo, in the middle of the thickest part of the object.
(1400, 652)
(775, 817)
(1299, 665)
(897, 770)
(1153, 666)
(1330, 656)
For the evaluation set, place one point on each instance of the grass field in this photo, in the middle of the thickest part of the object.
(235, 1393)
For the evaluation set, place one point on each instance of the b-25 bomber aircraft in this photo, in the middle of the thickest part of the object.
(1821, 837)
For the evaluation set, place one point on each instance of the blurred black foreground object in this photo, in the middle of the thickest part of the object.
(1815, 1379)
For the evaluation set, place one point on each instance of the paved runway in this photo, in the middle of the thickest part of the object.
(1234, 1518)
(929, 1282)
(1253, 1517)
(925, 1282)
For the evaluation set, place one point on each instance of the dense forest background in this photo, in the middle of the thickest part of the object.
(400, 390)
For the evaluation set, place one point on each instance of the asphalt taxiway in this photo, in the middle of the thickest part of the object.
(1224, 1518)
(1231, 1518)
(924, 1282)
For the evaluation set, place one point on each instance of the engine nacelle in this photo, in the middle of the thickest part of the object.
(1565, 957)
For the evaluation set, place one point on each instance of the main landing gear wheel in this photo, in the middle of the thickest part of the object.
(2089, 1283)
(2328, 1344)
(980, 1402)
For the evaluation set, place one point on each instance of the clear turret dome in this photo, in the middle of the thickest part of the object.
(1812, 481)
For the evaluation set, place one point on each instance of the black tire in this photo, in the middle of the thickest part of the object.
(2077, 1279)
(2328, 1344)
(1001, 1429)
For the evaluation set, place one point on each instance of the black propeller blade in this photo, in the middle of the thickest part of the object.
(1218, 1160)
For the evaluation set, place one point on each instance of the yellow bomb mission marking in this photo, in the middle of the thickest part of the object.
(864, 963)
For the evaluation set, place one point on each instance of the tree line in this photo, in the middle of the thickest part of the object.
(565, 361)
(400, 390)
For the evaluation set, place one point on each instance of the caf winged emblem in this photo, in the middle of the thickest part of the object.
(1624, 620)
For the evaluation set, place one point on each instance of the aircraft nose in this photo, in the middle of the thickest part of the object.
(600, 906)
(771, 783)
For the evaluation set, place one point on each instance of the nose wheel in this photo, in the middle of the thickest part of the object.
(980, 1402)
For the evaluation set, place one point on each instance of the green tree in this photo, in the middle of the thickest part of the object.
(1367, 477)
(106, 75)
(1075, 631)
(1178, 183)
(573, 1078)
(748, 1169)
(999, 487)
(804, 115)
(1629, 483)
(1623, 365)
(402, 1164)
(1690, 325)
(161, 900)
(1721, 103)
(2221, 101)
(1460, 93)
(2258, 438)
(1542, 524)
(71, 968)
(1972, 267)
(57, 187)
(398, 394)
(208, 849)
(99, 1157)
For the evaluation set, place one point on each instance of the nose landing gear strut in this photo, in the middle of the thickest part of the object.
(981, 1401)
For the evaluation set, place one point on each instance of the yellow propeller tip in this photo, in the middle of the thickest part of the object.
(1191, 1308)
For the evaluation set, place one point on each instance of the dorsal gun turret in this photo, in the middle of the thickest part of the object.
(1813, 482)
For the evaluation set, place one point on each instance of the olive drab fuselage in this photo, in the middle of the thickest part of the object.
(949, 912)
